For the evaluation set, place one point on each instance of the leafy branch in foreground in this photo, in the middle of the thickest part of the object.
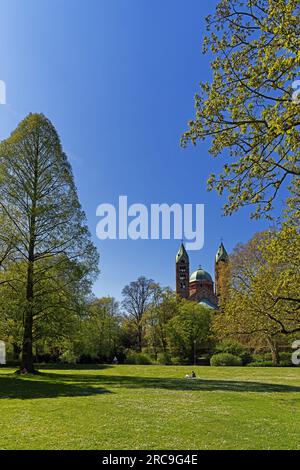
(247, 110)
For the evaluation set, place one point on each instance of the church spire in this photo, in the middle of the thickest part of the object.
(222, 254)
(221, 271)
(182, 254)
(182, 273)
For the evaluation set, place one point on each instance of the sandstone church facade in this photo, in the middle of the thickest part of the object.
(199, 286)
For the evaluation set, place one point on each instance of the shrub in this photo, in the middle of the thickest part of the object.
(261, 364)
(133, 357)
(11, 363)
(225, 359)
(265, 360)
(233, 347)
(176, 361)
(285, 359)
(87, 359)
(261, 357)
(182, 361)
(68, 357)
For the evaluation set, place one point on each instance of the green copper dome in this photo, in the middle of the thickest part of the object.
(200, 275)
(207, 303)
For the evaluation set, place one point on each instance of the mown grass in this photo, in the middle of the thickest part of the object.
(151, 407)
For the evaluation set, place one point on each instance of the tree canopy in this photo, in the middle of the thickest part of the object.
(50, 244)
(262, 298)
(247, 111)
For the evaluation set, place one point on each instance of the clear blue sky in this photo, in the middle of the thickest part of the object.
(117, 79)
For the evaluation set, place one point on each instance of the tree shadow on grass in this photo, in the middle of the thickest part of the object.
(31, 388)
(78, 367)
(52, 385)
(201, 385)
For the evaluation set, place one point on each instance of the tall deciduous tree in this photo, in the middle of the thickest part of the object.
(248, 111)
(189, 330)
(137, 297)
(38, 200)
(164, 306)
(263, 299)
(100, 329)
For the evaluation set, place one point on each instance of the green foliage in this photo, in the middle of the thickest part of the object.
(177, 361)
(50, 261)
(189, 330)
(261, 364)
(99, 329)
(137, 358)
(68, 357)
(262, 300)
(225, 359)
(164, 359)
(285, 359)
(138, 296)
(265, 360)
(235, 348)
(162, 309)
(247, 112)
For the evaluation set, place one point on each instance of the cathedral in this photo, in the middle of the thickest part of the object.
(199, 286)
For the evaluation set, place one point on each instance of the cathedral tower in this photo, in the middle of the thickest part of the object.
(182, 273)
(221, 270)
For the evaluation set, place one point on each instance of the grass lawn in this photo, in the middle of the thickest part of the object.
(151, 407)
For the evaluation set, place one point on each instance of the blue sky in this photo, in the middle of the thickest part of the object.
(117, 79)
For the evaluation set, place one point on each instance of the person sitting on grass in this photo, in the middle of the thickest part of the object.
(191, 376)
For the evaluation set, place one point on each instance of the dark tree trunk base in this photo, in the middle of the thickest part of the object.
(31, 372)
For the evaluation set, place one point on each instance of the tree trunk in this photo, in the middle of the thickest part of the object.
(27, 355)
(140, 338)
